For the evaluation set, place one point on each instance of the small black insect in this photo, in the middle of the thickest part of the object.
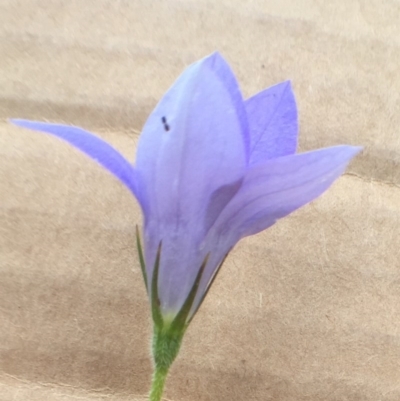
(164, 121)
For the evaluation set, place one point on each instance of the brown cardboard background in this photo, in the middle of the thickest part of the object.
(308, 310)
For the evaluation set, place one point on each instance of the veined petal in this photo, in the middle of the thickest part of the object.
(273, 126)
(278, 187)
(180, 261)
(92, 146)
(193, 142)
(193, 154)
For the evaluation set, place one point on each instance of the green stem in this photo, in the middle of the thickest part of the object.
(166, 344)
(157, 384)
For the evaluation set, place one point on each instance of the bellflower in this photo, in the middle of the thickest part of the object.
(211, 168)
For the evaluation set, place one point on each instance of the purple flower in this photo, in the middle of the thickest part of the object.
(210, 169)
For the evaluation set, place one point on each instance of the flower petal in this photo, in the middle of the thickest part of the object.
(193, 152)
(193, 142)
(92, 146)
(278, 187)
(273, 126)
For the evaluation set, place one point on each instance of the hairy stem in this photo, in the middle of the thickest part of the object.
(166, 344)
(157, 384)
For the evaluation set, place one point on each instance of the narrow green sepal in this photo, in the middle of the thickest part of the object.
(167, 336)
(155, 300)
(208, 287)
(180, 321)
(141, 259)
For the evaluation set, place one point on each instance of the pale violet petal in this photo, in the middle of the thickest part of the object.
(91, 145)
(278, 187)
(273, 125)
(192, 152)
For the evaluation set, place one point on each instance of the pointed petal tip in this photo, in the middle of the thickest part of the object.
(358, 149)
(338, 156)
(287, 84)
(36, 125)
(215, 61)
(349, 151)
(20, 122)
(216, 55)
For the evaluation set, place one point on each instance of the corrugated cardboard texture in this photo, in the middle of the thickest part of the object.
(308, 310)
